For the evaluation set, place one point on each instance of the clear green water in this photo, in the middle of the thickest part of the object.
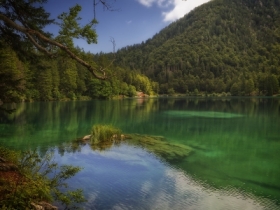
(235, 162)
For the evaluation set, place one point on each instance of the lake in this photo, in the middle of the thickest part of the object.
(234, 161)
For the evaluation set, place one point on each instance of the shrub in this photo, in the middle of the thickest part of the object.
(223, 94)
(170, 91)
(36, 179)
(102, 133)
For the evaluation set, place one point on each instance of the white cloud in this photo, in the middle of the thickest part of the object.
(178, 7)
(159, 3)
(128, 22)
(146, 3)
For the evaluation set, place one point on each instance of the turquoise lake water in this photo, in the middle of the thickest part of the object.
(234, 161)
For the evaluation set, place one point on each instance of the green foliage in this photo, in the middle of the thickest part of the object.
(234, 90)
(195, 92)
(27, 74)
(249, 87)
(40, 179)
(47, 79)
(103, 133)
(222, 46)
(131, 91)
(30, 14)
(62, 79)
(212, 47)
(268, 84)
(70, 28)
(170, 91)
(12, 73)
(10, 155)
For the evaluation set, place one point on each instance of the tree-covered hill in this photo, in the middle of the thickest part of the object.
(42, 78)
(36, 65)
(222, 46)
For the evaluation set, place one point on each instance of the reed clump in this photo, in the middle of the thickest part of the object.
(105, 133)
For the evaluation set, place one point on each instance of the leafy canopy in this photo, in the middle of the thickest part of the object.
(69, 27)
(22, 24)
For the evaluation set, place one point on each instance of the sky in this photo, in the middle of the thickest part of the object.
(131, 22)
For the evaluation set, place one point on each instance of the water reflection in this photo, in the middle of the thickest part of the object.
(52, 122)
(126, 177)
(237, 154)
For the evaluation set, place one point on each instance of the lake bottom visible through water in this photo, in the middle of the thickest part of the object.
(234, 162)
(127, 177)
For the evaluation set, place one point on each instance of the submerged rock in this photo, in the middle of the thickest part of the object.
(157, 145)
(43, 206)
(204, 114)
(87, 137)
(160, 147)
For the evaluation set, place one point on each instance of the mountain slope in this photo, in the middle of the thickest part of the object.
(222, 46)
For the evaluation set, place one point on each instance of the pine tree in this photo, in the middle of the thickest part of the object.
(12, 81)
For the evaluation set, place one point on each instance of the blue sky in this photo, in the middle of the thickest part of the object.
(133, 21)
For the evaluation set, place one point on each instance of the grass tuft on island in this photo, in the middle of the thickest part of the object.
(105, 136)
(104, 133)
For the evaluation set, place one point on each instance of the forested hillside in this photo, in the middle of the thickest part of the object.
(224, 46)
(230, 46)
(38, 77)
(35, 65)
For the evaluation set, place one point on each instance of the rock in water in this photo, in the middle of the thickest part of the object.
(43, 206)
(87, 137)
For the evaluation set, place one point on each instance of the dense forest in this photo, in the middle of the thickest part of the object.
(35, 65)
(61, 78)
(224, 46)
